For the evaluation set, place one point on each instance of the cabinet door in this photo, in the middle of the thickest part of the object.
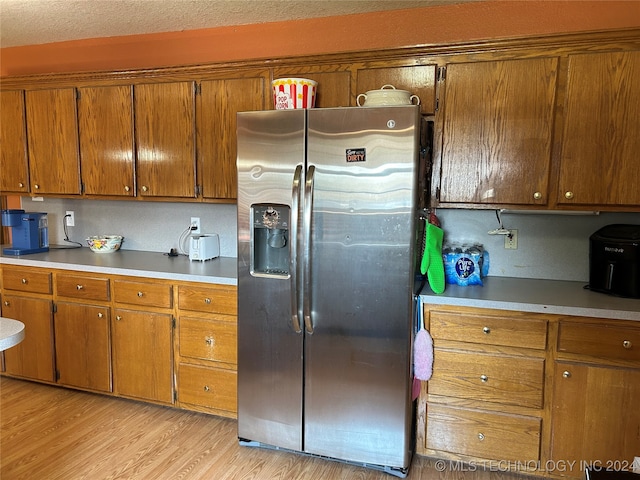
(105, 118)
(33, 357)
(595, 415)
(83, 349)
(143, 355)
(334, 83)
(52, 132)
(600, 144)
(219, 102)
(165, 139)
(497, 131)
(14, 175)
(418, 80)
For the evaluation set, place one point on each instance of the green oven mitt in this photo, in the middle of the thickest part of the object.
(435, 269)
(424, 264)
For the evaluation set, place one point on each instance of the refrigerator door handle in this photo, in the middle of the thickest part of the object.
(293, 248)
(306, 254)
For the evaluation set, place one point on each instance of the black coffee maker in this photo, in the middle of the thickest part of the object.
(614, 260)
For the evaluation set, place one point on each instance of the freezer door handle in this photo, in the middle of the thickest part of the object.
(293, 248)
(306, 255)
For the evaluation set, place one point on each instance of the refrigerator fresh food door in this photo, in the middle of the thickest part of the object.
(271, 149)
(357, 401)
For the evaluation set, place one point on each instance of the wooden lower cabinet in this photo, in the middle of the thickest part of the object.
(83, 346)
(33, 357)
(143, 355)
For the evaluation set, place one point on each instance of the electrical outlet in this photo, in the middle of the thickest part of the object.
(511, 240)
(195, 222)
(70, 218)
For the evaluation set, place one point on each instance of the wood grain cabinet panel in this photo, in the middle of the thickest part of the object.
(143, 294)
(26, 280)
(209, 339)
(14, 175)
(213, 388)
(483, 434)
(105, 118)
(52, 132)
(599, 161)
(218, 103)
(83, 347)
(498, 122)
(210, 299)
(165, 139)
(82, 287)
(33, 357)
(334, 83)
(600, 341)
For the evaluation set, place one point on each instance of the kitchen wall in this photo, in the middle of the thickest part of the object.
(549, 246)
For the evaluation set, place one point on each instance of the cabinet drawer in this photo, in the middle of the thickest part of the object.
(88, 288)
(208, 387)
(489, 329)
(139, 293)
(483, 434)
(490, 378)
(209, 339)
(212, 299)
(603, 341)
(26, 280)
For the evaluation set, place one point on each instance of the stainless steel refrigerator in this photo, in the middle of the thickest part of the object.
(326, 240)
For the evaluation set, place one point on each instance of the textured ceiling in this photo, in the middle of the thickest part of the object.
(28, 22)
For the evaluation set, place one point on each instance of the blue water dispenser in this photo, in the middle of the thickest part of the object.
(29, 232)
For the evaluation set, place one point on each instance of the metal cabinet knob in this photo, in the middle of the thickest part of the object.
(206, 388)
(209, 341)
(145, 188)
(484, 378)
(627, 344)
(127, 188)
(20, 184)
(568, 195)
(486, 330)
(481, 436)
(100, 315)
(118, 317)
(79, 287)
(537, 196)
(36, 186)
(207, 301)
(24, 281)
(6, 303)
(566, 374)
(140, 294)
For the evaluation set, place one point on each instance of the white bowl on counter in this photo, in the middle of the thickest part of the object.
(105, 243)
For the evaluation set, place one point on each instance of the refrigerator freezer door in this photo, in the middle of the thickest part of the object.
(357, 361)
(270, 345)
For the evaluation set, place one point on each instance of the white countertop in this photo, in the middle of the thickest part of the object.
(222, 270)
(538, 296)
(11, 333)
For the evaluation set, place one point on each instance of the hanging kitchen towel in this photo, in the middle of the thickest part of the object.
(422, 347)
(435, 272)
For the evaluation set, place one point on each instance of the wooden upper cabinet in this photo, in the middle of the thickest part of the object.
(52, 132)
(165, 139)
(105, 118)
(14, 175)
(334, 83)
(497, 132)
(418, 80)
(218, 103)
(599, 163)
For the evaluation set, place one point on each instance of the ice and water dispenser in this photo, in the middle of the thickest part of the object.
(270, 245)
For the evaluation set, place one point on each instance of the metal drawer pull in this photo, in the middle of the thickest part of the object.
(207, 301)
(486, 330)
(481, 436)
(100, 315)
(209, 341)
(484, 378)
(79, 287)
(118, 317)
(24, 281)
(206, 388)
(627, 344)
(566, 374)
(6, 303)
(140, 294)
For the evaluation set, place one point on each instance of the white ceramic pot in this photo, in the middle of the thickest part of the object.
(385, 96)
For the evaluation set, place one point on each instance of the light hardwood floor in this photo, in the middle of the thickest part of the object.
(52, 433)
